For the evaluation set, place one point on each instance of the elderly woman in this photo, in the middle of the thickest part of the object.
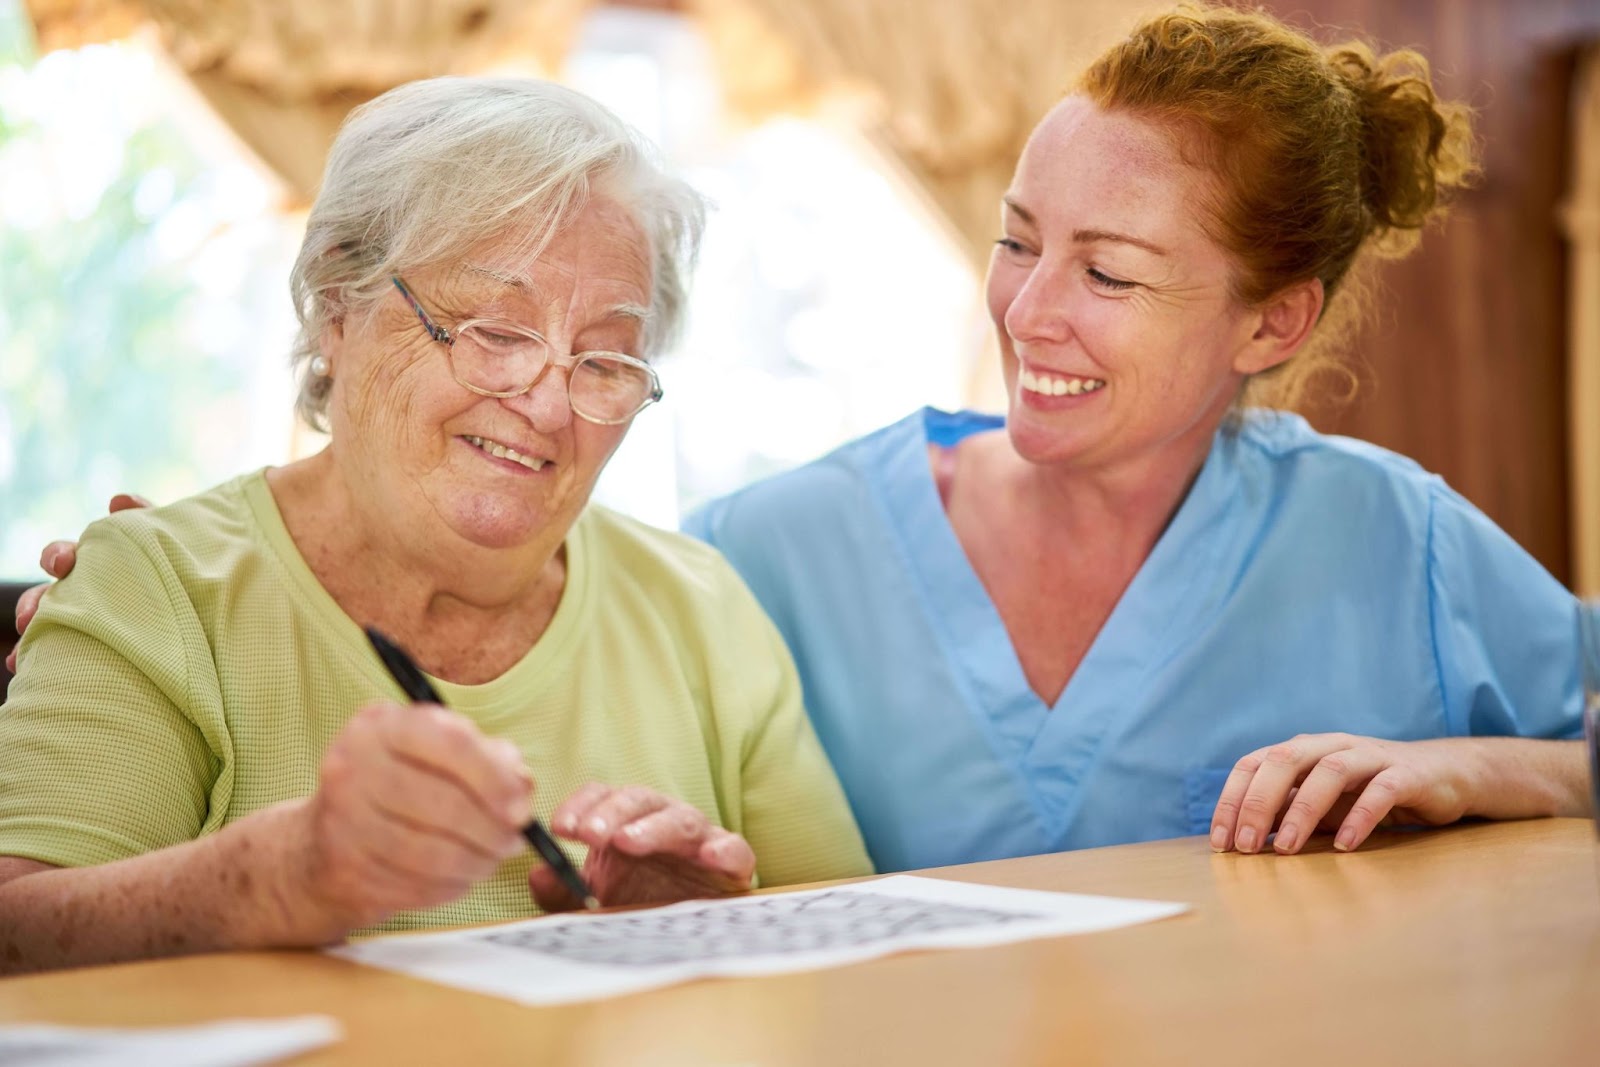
(200, 750)
(1142, 605)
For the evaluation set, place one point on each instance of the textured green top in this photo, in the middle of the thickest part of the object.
(192, 670)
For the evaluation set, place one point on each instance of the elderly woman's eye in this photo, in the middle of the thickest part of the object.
(500, 339)
(606, 369)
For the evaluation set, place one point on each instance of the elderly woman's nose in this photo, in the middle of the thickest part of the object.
(548, 405)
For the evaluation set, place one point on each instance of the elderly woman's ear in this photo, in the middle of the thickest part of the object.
(331, 339)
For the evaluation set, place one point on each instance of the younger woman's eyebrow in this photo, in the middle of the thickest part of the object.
(1090, 236)
(1017, 209)
(1087, 236)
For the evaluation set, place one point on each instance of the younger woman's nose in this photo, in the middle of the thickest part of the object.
(1038, 311)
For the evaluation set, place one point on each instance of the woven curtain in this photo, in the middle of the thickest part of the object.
(950, 88)
(284, 73)
(947, 89)
(1581, 216)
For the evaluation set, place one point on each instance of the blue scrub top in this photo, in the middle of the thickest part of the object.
(1307, 584)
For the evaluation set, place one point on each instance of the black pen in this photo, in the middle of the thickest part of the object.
(420, 690)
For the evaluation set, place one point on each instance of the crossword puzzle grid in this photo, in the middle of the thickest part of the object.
(760, 925)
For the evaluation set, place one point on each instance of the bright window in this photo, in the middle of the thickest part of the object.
(146, 318)
(143, 293)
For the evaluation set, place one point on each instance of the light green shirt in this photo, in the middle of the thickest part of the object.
(191, 670)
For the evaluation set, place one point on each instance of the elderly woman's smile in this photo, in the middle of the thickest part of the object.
(506, 452)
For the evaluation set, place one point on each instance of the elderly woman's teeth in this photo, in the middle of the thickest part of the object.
(500, 451)
(1056, 385)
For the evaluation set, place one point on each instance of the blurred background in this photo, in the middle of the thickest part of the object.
(157, 157)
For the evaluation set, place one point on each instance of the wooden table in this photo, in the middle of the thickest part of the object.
(1474, 945)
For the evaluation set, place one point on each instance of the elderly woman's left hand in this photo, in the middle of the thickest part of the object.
(644, 848)
(1338, 781)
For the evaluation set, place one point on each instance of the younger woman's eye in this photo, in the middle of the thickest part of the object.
(1011, 244)
(1106, 281)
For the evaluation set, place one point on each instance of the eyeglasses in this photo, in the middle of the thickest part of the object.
(496, 358)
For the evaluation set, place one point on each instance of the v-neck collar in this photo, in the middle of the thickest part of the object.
(1049, 746)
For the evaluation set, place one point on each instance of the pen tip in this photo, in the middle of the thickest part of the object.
(591, 903)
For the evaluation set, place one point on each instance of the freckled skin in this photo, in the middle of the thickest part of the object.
(1103, 272)
(165, 903)
(1172, 346)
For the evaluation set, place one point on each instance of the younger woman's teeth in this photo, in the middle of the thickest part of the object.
(1058, 385)
(500, 451)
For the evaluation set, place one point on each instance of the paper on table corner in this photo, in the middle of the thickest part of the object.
(223, 1043)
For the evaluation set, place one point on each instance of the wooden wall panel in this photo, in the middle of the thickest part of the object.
(1465, 367)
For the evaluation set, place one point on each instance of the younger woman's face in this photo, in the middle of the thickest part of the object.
(1119, 336)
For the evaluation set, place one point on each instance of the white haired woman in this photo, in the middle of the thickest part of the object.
(183, 765)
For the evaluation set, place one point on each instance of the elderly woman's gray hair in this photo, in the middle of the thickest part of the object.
(430, 169)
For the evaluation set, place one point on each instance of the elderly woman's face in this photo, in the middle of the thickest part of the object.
(1117, 331)
(416, 443)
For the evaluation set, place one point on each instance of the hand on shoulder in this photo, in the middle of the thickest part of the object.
(58, 559)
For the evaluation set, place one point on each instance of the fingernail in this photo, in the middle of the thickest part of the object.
(1219, 839)
(597, 824)
(1345, 841)
(50, 558)
(1287, 838)
(567, 824)
(1246, 841)
(633, 829)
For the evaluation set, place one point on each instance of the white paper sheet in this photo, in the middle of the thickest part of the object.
(567, 958)
(231, 1043)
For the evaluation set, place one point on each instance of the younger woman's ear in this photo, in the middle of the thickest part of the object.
(1282, 326)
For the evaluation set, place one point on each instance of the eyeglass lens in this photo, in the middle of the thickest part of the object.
(602, 387)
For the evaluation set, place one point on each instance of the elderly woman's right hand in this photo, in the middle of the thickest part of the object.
(413, 807)
(57, 559)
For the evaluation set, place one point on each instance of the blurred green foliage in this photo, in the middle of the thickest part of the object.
(100, 373)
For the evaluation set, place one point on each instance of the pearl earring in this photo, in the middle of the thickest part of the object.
(319, 366)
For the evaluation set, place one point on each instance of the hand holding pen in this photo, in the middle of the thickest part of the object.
(412, 808)
(419, 689)
(644, 847)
